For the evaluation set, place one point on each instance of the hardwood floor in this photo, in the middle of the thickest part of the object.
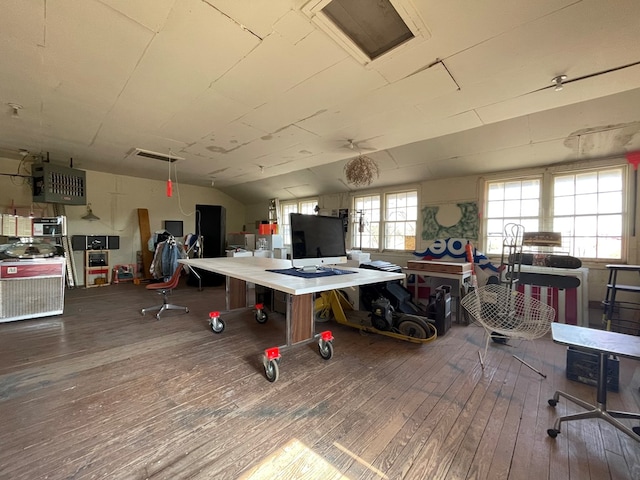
(104, 392)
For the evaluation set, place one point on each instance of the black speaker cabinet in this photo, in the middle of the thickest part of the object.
(95, 242)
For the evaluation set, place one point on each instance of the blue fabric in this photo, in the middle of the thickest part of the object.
(319, 273)
(170, 255)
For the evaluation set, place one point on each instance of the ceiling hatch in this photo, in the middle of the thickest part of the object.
(368, 30)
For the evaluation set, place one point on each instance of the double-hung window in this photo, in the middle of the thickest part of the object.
(588, 210)
(586, 206)
(511, 201)
(365, 224)
(400, 217)
(390, 222)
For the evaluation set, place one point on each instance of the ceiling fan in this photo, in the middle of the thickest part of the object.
(356, 147)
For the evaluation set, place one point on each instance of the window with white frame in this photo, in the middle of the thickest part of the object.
(511, 201)
(588, 210)
(400, 218)
(586, 207)
(365, 223)
(306, 207)
(391, 224)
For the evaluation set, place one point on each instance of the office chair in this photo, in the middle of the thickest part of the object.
(164, 289)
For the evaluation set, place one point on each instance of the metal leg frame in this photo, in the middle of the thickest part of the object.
(594, 411)
(165, 305)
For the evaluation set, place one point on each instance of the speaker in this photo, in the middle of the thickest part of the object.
(95, 242)
(113, 242)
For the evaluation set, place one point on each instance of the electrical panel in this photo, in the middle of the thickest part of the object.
(58, 184)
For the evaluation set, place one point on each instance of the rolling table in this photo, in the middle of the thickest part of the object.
(299, 297)
(603, 343)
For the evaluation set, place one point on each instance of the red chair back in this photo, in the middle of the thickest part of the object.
(169, 284)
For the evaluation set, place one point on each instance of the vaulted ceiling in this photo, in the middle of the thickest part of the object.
(257, 97)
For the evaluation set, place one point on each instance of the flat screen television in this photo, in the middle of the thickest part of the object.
(316, 241)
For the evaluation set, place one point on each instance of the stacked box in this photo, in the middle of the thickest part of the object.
(583, 367)
(439, 267)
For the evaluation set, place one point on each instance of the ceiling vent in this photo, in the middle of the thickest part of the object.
(368, 30)
(139, 152)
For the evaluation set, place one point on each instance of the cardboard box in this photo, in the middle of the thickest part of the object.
(439, 267)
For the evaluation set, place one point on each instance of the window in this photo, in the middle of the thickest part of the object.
(304, 206)
(585, 206)
(511, 201)
(400, 214)
(365, 226)
(588, 210)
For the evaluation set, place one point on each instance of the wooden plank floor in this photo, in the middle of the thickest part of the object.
(104, 392)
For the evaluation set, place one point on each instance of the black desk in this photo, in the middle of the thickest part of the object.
(603, 343)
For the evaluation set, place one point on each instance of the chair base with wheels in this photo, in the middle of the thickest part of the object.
(164, 289)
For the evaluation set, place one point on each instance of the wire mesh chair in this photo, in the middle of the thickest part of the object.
(505, 312)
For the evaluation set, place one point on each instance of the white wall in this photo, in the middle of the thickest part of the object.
(116, 200)
(467, 189)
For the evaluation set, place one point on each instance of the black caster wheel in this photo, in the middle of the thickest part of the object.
(271, 370)
(552, 402)
(552, 432)
(261, 316)
(186, 310)
(217, 327)
(325, 349)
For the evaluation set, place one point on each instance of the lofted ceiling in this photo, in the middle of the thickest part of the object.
(257, 97)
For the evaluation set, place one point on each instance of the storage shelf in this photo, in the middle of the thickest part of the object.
(97, 272)
(611, 305)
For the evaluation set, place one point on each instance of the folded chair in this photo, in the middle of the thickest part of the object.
(164, 289)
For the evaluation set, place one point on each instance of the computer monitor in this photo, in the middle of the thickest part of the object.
(316, 241)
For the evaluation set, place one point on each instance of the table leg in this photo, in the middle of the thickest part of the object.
(594, 411)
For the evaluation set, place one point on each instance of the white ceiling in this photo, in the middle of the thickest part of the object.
(252, 94)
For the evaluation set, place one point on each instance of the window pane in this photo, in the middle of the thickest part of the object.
(610, 202)
(530, 189)
(530, 208)
(586, 203)
(610, 247)
(495, 192)
(495, 209)
(586, 183)
(563, 206)
(564, 185)
(610, 225)
(585, 226)
(610, 181)
(512, 190)
(512, 208)
(585, 247)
